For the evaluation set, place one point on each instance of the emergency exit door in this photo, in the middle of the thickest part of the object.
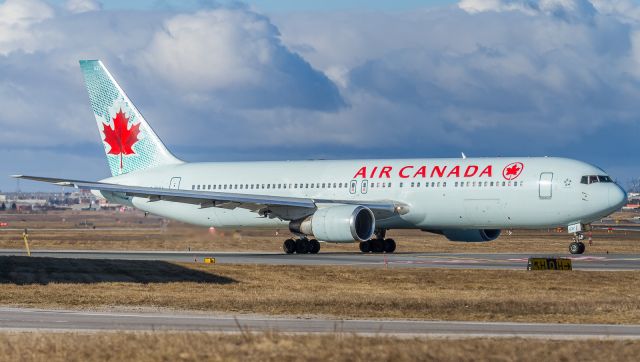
(175, 183)
(545, 185)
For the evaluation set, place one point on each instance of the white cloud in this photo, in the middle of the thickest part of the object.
(17, 19)
(82, 6)
(229, 51)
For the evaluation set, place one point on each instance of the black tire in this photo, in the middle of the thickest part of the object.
(574, 248)
(582, 247)
(289, 246)
(365, 246)
(302, 246)
(377, 245)
(314, 246)
(389, 245)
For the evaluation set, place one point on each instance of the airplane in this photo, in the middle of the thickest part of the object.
(344, 201)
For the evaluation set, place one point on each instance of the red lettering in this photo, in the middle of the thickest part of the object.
(402, 175)
(385, 171)
(422, 171)
(362, 172)
(438, 170)
(467, 172)
(454, 171)
(373, 172)
(487, 170)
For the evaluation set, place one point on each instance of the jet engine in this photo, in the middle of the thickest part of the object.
(337, 224)
(468, 235)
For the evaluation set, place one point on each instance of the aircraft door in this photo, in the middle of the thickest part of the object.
(545, 185)
(353, 186)
(175, 182)
(364, 186)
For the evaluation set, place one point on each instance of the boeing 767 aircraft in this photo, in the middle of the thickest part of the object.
(466, 200)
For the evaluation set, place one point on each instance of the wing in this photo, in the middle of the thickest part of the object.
(286, 208)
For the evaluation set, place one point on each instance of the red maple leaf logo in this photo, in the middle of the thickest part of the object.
(512, 170)
(119, 137)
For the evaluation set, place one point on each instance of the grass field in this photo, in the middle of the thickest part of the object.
(133, 231)
(345, 292)
(277, 347)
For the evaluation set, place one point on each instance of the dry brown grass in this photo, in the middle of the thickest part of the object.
(133, 231)
(432, 294)
(278, 347)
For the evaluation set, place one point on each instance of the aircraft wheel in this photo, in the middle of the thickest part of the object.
(389, 245)
(302, 246)
(377, 245)
(582, 247)
(289, 246)
(574, 248)
(314, 246)
(365, 246)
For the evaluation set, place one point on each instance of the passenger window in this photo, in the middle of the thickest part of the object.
(418, 184)
(438, 185)
(334, 185)
(401, 184)
(412, 184)
(444, 184)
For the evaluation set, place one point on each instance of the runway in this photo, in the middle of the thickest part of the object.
(19, 319)
(616, 262)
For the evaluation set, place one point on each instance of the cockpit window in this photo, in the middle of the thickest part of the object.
(590, 179)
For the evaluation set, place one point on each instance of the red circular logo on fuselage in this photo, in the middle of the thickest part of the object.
(512, 170)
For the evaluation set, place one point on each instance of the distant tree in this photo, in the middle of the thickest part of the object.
(3, 207)
(14, 206)
(633, 185)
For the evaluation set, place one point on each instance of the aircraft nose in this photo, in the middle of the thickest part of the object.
(617, 197)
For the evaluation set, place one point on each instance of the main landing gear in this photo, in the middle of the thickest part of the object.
(301, 246)
(378, 244)
(577, 246)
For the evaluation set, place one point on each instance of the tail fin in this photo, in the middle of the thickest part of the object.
(129, 142)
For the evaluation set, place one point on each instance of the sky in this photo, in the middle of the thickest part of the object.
(271, 80)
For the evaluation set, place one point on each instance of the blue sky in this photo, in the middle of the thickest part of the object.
(325, 79)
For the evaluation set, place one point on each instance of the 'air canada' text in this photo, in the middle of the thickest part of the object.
(424, 171)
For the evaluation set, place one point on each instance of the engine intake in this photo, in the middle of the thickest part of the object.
(338, 224)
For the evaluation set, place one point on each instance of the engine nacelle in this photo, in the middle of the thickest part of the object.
(337, 224)
(471, 235)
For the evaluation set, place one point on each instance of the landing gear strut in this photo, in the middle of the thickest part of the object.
(378, 244)
(301, 246)
(577, 246)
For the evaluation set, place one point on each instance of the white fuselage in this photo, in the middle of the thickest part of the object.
(471, 193)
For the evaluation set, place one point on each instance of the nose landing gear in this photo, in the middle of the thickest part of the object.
(577, 246)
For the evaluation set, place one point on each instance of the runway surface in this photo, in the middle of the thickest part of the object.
(428, 260)
(18, 319)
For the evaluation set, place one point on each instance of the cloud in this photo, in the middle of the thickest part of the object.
(499, 77)
(82, 6)
(566, 9)
(236, 55)
(17, 19)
